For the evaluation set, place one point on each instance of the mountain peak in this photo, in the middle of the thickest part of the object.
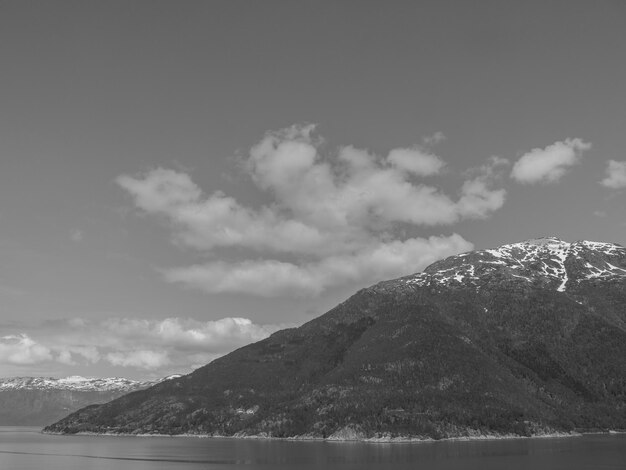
(548, 261)
(523, 339)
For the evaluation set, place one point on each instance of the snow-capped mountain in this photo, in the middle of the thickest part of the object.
(73, 383)
(41, 400)
(548, 261)
(522, 339)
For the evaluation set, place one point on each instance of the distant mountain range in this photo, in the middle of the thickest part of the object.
(525, 339)
(37, 401)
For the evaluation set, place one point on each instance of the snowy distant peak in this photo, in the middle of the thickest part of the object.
(553, 245)
(547, 260)
(73, 383)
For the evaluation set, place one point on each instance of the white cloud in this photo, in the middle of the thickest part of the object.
(324, 207)
(478, 200)
(267, 278)
(141, 359)
(548, 165)
(21, 349)
(217, 220)
(172, 343)
(615, 175)
(162, 190)
(416, 161)
(215, 336)
(274, 278)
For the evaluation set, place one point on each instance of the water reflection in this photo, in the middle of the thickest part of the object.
(26, 448)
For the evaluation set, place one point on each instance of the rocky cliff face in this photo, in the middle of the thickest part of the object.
(35, 401)
(524, 339)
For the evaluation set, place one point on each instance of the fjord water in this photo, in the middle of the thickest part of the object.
(25, 448)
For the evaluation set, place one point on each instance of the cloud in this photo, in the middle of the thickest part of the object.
(416, 161)
(143, 344)
(65, 357)
(478, 201)
(271, 278)
(141, 359)
(217, 220)
(215, 336)
(548, 165)
(21, 349)
(72, 353)
(267, 278)
(324, 207)
(615, 175)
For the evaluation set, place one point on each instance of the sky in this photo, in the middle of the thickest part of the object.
(179, 179)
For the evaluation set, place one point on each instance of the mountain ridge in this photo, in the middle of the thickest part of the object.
(525, 339)
(74, 382)
(32, 401)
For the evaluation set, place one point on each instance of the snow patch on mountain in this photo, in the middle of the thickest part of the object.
(74, 383)
(547, 260)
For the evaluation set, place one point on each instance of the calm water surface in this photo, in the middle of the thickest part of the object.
(25, 448)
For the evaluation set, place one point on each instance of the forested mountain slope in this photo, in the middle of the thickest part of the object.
(525, 339)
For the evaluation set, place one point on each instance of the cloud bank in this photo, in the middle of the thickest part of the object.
(549, 164)
(332, 219)
(129, 342)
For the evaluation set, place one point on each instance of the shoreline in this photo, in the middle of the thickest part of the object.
(331, 439)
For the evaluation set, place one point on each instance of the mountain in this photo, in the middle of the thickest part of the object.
(525, 339)
(36, 401)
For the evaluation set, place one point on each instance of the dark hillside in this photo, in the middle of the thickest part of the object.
(525, 339)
